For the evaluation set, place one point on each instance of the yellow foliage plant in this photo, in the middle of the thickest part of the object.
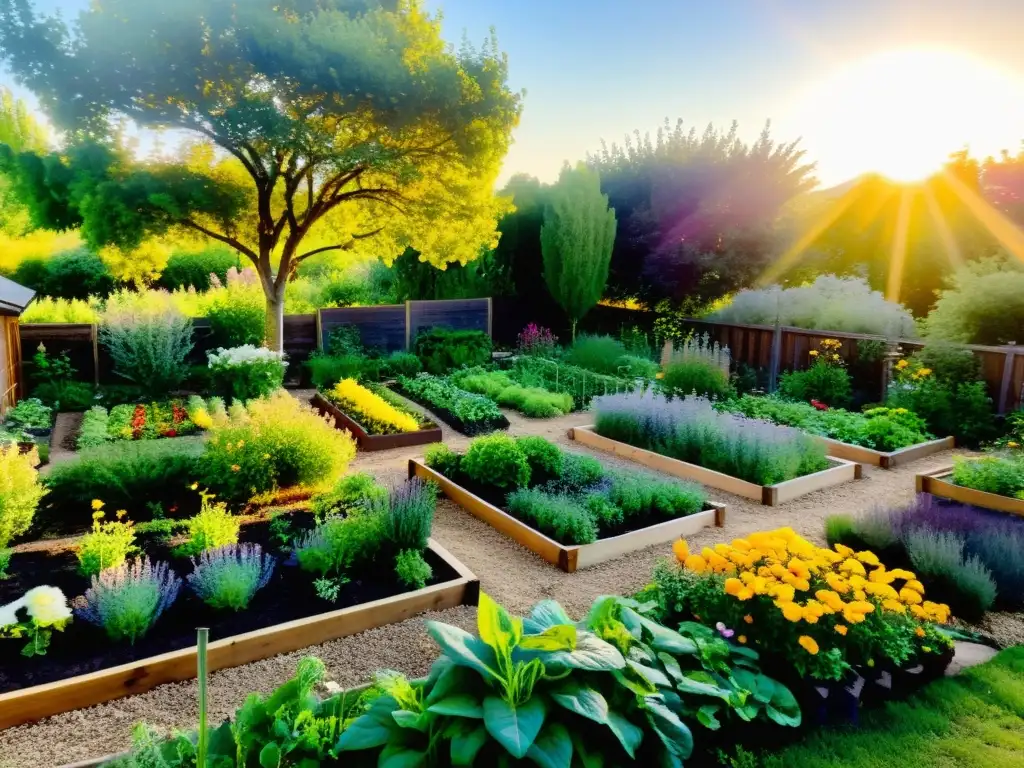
(373, 412)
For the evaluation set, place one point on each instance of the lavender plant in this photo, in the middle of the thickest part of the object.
(410, 514)
(691, 430)
(126, 601)
(228, 577)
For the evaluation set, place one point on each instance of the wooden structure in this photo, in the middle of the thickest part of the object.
(30, 704)
(394, 327)
(13, 300)
(840, 472)
(570, 557)
(885, 459)
(939, 483)
(370, 442)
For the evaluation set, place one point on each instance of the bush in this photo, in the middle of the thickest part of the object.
(192, 269)
(149, 348)
(496, 461)
(276, 444)
(826, 384)
(688, 377)
(243, 373)
(410, 515)
(642, 495)
(213, 527)
(20, 493)
(442, 459)
(75, 274)
(412, 570)
(327, 370)
(938, 557)
(127, 601)
(227, 578)
(65, 395)
(358, 491)
(341, 545)
(984, 304)
(596, 353)
(579, 473)
(545, 458)
(48, 310)
(238, 311)
(107, 545)
(29, 415)
(127, 475)
(829, 304)
(440, 350)
(1002, 475)
(400, 364)
(559, 517)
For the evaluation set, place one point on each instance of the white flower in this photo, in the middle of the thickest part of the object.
(47, 606)
(244, 355)
(9, 613)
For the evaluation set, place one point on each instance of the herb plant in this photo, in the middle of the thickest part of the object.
(227, 578)
(412, 570)
(127, 600)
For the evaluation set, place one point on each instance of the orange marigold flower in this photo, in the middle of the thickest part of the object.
(749, 619)
(696, 563)
(742, 639)
(841, 629)
(733, 586)
(235, 468)
(919, 632)
(792, 612)
(681, 550)
(808, 644)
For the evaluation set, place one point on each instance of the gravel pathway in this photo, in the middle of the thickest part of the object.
(514, 576)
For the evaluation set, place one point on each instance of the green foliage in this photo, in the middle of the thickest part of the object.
(342, 545)
(237, 318)
(576, 241)
(559, 517)
(30, 414)
(441, 350)
(984, 304)
(636, 367)
(352, 492)
(128, 599)
(442, 459)
(77, 274)
(65, 395)
(582, 384)
(938, 558)
(999, 474)
(227, 578)
(148, 349)
(212, 527)
(535, 402)
(244, 373)
(578, 473)
(496, 461)
(20, 493)
(596, 353)
(410, 515)
(412, 570)
(192, 268)
(400, 364)
(326, 370)
(687, 377)
(474, 413)
(107, 545)
(5, 563)
(544, 458)
(638, 495)
(829, 384)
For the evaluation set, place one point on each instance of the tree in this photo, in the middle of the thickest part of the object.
(19, 130)
(576, 241)
(317, 126)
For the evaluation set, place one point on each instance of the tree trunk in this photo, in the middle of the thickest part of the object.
(275, 320)
(573, 321)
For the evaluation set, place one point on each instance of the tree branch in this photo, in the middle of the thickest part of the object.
(337, 247)
(226, 239)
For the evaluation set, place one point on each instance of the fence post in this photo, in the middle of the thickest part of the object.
(893, 353)
(1004, 383)
(776, 359)
(319, 331)
(490, 317)
(408, 323)
(95, 354)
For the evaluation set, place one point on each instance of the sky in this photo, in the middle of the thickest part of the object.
(596, 70)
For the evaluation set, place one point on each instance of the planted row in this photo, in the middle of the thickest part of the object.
(467, 412)
(499, 386)
(171, 418)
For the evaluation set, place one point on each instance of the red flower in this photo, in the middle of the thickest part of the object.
(138, 421)
(819, 405)
(171, 433)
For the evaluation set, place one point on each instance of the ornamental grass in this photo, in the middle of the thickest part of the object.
(371, 410)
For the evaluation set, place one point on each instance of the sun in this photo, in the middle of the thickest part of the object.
(901, 113)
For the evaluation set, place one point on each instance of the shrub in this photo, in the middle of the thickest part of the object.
(1002, 475)
(108, 544)
(596, 353)
(939, 558)
(984, 304)
(640, 495)
(496, 461)
(192, 269)
(237, 312)
(826, 381)
(829, 303)
(20, 493)
(559, 517)
(149, 348)
(359, 491)
(227, 578)
(246, 372)
(212, 527)
(45, 309)
(370, 410)
(442, 459)
(579, 473)
(688, 377)
(412, 570)
(401, 364)
(440, 350)
(275, 443)
(74, 274)
(29, 415)
(345, 339)
(410, 514)
(65, 395)
(544, 458)
(327, 370)
(93, 431)
(691, 430)
(341, 545)
(127, 475)
(126, 601)
(535, 402)
(475, 412)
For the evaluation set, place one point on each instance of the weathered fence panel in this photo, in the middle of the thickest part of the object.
(79, 340)
(382, 327)
(457, 314)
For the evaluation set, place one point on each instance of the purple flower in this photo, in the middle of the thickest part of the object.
(723, 630)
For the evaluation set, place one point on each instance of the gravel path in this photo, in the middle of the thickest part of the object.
(514, 576)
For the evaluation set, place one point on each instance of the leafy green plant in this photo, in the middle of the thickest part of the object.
(228, 577)
(212, 527)
(20, 493)
(441, 350)
(401, 364)
(411, 569)
(148, 349)
(544, 457)
(999, 474)
(596, 353)
(358, 491)
(94, 429)
(559, 517)
(5, 563)
(326, 370)
(471, 413)
(578, 473)
(498, 461)
(342, 544)
(829, 384)
(246, 372)
(410, 515)
(107, 545)
(442, 459)
(30, 415)
(687, 377)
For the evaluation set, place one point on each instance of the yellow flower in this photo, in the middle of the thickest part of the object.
(681, 550)
(814, 353)
(894, 606)
(696, 563)
(808, 644)
(909, 596)
(374, 411)
(868, 558)
(194, 486)
(97, 515)
(831, 599)
(919, 632)
(915, 585)
(902, 364)
(852, 566)
(841, 629)
(844, 550)
(792, 612)
(121, 513)
(235, 468)
(1012, 444)
(97, 504)
(47, 606)
(733, 586)
(926, 649)
(742, 639)
(923, 372)
(837, 582)
(266, 456)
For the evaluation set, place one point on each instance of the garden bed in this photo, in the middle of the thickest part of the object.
(569, 558)
(886, 459)
(468, 428)
(771, 495)
(371, 442)
(92, 671)
(938, 483)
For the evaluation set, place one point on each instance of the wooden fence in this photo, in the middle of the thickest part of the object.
(781, 348)
(390, 328)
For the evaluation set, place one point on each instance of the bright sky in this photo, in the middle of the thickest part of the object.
(884, 85)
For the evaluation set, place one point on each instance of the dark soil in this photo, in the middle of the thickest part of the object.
(470, 429)
(84, 648)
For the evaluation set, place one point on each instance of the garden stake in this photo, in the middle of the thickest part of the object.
(202, 640)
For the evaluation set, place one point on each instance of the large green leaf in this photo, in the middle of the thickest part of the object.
(661, 638)
(545, 614)
(496, 627)
(690, 684)
(592, 654)
(552, 748)
(653, 676)
(561, 637)
(454, 679)
(671, 730)
(406, 719)
(585, 702)
(707, 716)
(458, 705)
(588, 758)
(514, 727)
(373, 729)
(464, 649)
(465, 746)
(270, 756)
(784, 708)
(399, 756)
(639, 686)
(671, 666)
(629, 735)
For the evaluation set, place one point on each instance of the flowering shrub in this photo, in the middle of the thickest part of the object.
(826, 380)
(126, 601)
(108, 544)
(47, 610)
(212, 527)
(690, 429)
(823, 610)
(370, 410)
(246, 372)
(20, 492)
(227, 578)
(536, 340)
(274, 443)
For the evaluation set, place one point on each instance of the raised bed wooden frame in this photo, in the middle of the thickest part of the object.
(30, 704)
(569, 557)
(885, 459)
(937, 484)
(769, 495)
(368, 442)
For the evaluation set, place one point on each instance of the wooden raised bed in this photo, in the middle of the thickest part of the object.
(885, 459)
(937, 483)
(30, 704)
(369, 442)
(570, 557)
(770, 495)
